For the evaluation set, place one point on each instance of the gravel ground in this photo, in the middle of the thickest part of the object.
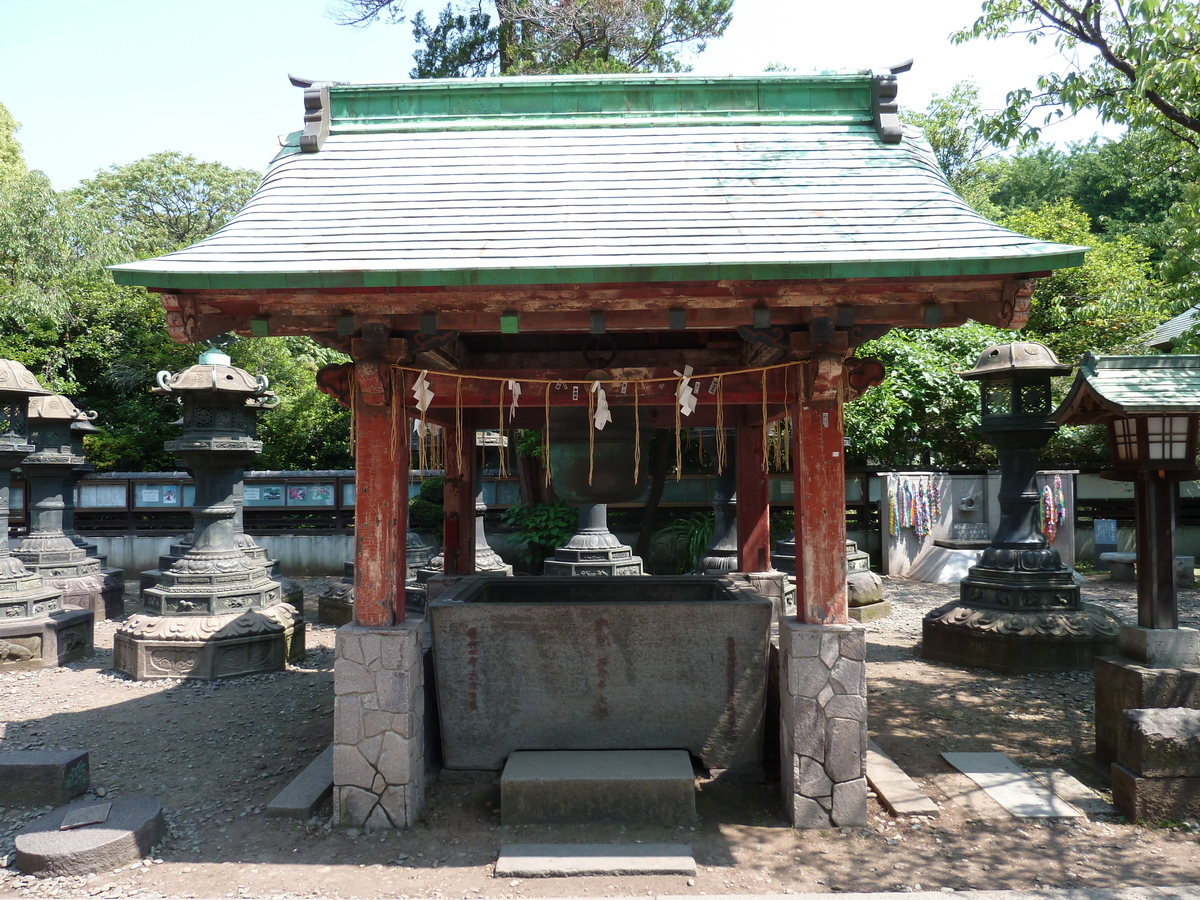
(215, 754)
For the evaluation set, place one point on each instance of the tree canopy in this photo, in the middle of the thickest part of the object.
(1143, 69)
(537, 37)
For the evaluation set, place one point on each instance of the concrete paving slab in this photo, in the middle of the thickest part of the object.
(1074, 792)
(1012, 786)
(549, 860)
(896, 791)
(305, 792)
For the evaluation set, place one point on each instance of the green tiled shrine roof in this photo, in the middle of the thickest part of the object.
(1132, 385)
(599, 179)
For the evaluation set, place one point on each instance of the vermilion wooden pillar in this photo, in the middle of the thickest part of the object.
(458, 532)
(381, 502)
(818, 463)
(753, 498)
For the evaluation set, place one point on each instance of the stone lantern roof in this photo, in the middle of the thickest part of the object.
(1017, 356)
(16, 379)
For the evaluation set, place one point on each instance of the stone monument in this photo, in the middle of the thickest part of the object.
(36, 628)
(214, 613)
(1019, 608)
(52, 471)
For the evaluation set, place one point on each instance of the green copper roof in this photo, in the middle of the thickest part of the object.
(599, 179)
(1108, 386)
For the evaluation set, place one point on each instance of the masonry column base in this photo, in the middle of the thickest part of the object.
(823, 723)
(379, 726)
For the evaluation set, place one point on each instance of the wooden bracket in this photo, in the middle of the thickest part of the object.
(803, 346)
(1016, 303)
(860, 334)
(334, 380)
(763, 345)
(862, 374)
(440, 350)
(376, 342)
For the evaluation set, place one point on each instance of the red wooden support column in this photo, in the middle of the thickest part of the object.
(459, 500)
(753, 497)
(381, 503)
(818, 461)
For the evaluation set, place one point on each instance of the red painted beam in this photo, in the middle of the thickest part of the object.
(753, 497)
(820, 505)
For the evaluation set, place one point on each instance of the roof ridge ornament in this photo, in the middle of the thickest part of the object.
(316, 112)
(884, 107)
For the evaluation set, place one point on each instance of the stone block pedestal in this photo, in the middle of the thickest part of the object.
(823, 723)
(379, 726)
(52, 639)
(1157, 772)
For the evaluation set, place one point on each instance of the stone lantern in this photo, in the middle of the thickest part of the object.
(1019, 608)
(52, 470)
(36, 628)
(215, 612)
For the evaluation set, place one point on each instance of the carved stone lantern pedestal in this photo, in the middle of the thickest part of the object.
(36, 628)
(214, 613)
(335, 605)
(1019, 608)
(52, 470)
(593, 550)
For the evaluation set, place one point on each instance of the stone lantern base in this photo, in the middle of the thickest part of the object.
(206, 648)
(1019, 624)
(292, 592)
(52, 639)
(101, 592)
(593, 550)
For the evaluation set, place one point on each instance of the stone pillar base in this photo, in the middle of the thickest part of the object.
(53, 639)
(1123, 683)
(205, 648)
(102, 593)
(379, 726)
(823, 723)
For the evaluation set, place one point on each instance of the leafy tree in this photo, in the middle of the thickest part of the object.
(1144, 71)
(167, 200)
(949, 125)
(530, 37)
(1106, 305)
(12, 163)
(923, 413)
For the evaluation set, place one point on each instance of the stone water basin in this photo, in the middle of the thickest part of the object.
(628, 663)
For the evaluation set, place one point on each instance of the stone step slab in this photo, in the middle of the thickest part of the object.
(563, 860)
(42, 777)
(305, 792)
(1012, 786)
(558, 787)
(1160, 743)
(896, 791)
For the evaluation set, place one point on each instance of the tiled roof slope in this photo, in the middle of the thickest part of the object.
(560, 180)
(1171, 330)
(1131, 385)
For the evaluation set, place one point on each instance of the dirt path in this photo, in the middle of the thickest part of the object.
(215, 754)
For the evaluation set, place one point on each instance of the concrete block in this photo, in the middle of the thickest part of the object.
(549, 787)
(42, 777)
(1156, 743)
(307, 790)
(1160, 647)
(1122, 684)
(1154, 799)
(131, 827)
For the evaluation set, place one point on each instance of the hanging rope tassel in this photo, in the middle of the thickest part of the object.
(765, 440)
(637, 435)
(500, 443)
(546, 439)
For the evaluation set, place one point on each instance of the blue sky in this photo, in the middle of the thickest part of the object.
(96, 83)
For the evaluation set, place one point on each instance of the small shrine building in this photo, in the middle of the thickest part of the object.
(679, 250)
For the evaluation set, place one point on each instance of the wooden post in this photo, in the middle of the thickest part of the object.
(753, 497)
(381, 504)
(818, 461)
(458, 532)
(1155, 501)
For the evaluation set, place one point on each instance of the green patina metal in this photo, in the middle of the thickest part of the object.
(1107, 386)
(586, 180)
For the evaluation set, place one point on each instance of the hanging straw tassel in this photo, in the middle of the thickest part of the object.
(546, 438)
(500, 443)
(766, 430)
(458, 423)
(721, 442)
(591, 430)
(637, 435)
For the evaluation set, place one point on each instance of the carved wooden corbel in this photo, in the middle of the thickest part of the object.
(1016, 303)
(334, 380)
(862, 374)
